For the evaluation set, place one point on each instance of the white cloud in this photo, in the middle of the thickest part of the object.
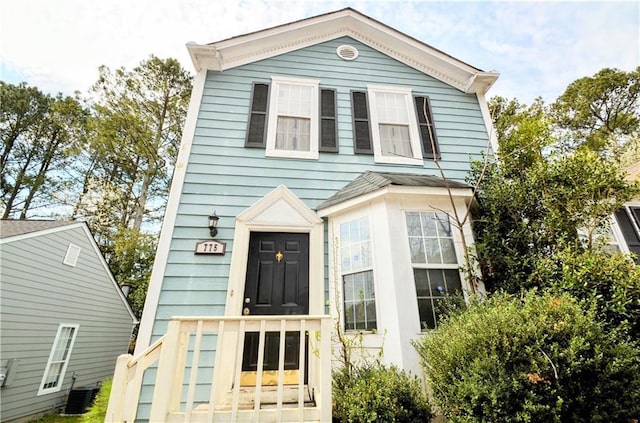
(539, 47)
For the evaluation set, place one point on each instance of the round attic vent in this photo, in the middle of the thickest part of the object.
(346, 52)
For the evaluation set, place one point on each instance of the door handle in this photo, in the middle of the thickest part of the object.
(246, 311)
(247, 300)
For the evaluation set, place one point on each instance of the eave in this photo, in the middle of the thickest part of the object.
(255, 46)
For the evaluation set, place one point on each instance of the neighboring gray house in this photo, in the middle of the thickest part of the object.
(63, 318)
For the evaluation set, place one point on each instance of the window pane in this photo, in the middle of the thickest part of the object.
(392, 107)
(443, 225)
(293, 134)
(359, 301)
(413, 224)
(417, 250)
(429, 224)
(437, 282)
(452, 277)
(395, 141)
(427, 318)
(294, 99)
(422, 282)
(432, 247)
(448, 251)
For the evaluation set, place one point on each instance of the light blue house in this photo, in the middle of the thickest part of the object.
(315, 143)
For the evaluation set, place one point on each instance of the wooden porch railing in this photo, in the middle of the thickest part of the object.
(220, 398)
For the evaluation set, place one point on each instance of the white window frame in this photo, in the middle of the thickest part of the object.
(436, 266)
(341, 273)
(65, 362)
(414, 134)
(272, 122)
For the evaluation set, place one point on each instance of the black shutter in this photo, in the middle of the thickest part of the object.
(257, 127)
(328, 127)
(361, 129)
(426, 128)
(628, 231)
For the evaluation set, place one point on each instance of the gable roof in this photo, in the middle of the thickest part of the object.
(14, 230)
(259, 45)
(369, 182)
(10, 227)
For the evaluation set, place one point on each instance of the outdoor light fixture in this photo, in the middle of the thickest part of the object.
(213, 224)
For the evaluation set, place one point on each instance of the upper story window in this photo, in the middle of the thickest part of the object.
(356, 266)
(434, 261)
(393, 125)
(292, 117)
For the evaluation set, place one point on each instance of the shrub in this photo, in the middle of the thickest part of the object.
(538, 358)
(610, 282)
(375, 393)
(98, 410)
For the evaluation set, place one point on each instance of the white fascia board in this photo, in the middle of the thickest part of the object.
(282, 39)
(395, 191)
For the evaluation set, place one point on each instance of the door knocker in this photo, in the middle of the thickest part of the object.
(279, 256)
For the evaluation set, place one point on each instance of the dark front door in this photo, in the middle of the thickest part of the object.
(277, 283)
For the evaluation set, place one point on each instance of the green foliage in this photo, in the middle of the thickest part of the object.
(41, 135)
(375, 393)
(533, 204)
(98, 410)
(611, 283)
(538, 358)
(596, 110)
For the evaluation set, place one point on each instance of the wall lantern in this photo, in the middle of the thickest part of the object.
(213, 224)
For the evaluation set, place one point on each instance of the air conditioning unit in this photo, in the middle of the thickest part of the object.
(80, 399)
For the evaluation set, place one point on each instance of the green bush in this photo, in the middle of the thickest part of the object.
(611, 282)
(538, 358)
(98, 410)
(375, 393)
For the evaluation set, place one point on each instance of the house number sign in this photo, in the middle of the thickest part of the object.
(210, 247)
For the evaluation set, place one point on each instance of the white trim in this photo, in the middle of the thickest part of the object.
(414, 134)
(488, 122)
(260, 45)
(162, 253)
(632, 218)
(54, 347)
(396, 191)
(257, 218)
(618, 237)
(272, 124)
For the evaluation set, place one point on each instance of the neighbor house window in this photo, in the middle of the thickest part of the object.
(434, 261)
(393, 124)
(356, 266)
(58, 359)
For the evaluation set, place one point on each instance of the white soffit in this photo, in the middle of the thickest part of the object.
(248, 48)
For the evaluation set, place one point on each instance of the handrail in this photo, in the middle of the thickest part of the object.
(186, 347)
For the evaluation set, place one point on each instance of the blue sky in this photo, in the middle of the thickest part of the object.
(538, 47)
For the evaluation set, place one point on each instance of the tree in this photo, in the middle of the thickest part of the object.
(533, 203)
(40, 134)
(601, 112)
(137, 122)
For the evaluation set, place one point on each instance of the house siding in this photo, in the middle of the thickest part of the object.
(38, 293)
(225, 176)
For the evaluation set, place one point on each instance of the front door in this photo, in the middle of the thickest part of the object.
(277, 283)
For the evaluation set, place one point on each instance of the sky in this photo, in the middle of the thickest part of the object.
(539, 48)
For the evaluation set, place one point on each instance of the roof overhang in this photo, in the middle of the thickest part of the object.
(388, 191)
(248, 48)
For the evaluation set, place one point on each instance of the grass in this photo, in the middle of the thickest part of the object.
(54, 418)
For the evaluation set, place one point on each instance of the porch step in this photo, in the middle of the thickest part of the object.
(269, 396)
